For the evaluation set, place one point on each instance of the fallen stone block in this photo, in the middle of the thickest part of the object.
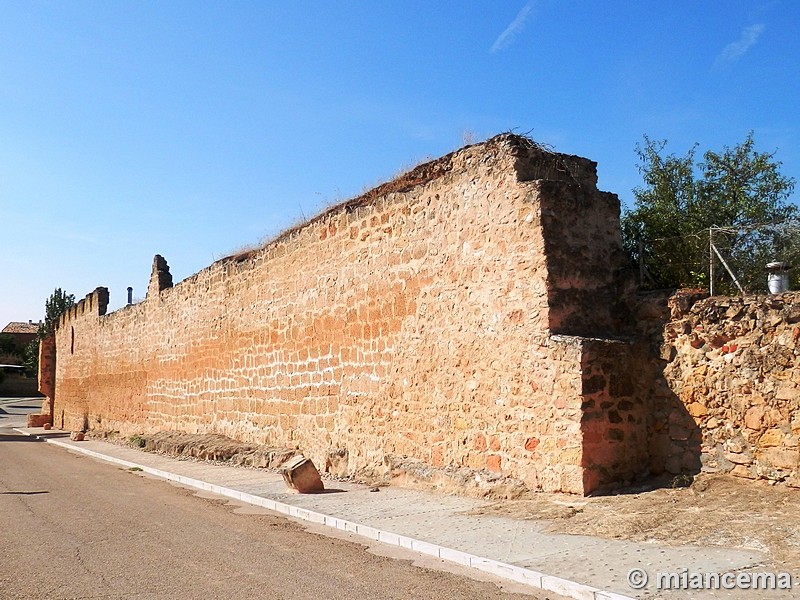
(76, 436)
(300, 474)
(38, 420)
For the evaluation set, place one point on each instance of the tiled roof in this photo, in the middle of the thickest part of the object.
(20, 327)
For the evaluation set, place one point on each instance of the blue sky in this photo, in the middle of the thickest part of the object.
(191, 129)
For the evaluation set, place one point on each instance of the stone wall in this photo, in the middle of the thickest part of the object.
(469, 314)
(47, 372)
(733, 363)
(614, 414)
(415, 320)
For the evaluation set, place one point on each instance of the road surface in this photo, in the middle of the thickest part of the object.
(73, 527)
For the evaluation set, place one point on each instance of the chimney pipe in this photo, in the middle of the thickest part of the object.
(130, 295)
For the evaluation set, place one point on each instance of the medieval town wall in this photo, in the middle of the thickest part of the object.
(460, 315)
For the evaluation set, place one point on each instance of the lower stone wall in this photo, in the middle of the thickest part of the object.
(733, 364)
(47, 372)
(673, 437)
(614, 414)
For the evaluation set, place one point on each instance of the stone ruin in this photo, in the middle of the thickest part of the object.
(474, 316)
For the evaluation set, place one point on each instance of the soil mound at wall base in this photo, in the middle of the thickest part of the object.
(395, 470)
(402, 471)
(209, 447)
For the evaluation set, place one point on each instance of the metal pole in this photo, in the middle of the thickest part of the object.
(711, 261)
(724, 264)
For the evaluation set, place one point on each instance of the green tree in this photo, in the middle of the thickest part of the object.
(8, 348)
(30, 358)
(735, 189)
(56, 305)
(9, 353)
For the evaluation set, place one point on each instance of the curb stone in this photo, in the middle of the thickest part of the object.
(550, 583)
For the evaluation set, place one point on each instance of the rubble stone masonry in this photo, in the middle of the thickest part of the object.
(467, 314)
(733, 362)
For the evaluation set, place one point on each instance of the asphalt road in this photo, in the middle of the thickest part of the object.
(72, 527)
(14, 411)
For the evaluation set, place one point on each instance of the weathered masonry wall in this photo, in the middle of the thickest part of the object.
(733, 362)
(47, 372)
(456, 315)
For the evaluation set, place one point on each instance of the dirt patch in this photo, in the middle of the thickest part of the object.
(716, 510)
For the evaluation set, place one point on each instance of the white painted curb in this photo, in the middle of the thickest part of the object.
(565, 587)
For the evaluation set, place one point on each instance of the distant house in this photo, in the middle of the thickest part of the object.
(22, 333)
(14, 380)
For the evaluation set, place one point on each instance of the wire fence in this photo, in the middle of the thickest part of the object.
(726, 260)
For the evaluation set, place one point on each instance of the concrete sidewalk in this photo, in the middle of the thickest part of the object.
(579, 567)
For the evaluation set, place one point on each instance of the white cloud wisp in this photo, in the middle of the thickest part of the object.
(735, 50)
(513, 29)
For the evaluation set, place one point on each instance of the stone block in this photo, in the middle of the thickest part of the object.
(737, 445)
(531, 443)
(787, 391)
(493, 463)
(780, 458)
(38, 420)
(678, 433)
(77, 436)
(739, 459)
(300, 474)
(743, 471)
(337, 461)
(673, 465)
(754, 417)
(771, 437)
(697, 410)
